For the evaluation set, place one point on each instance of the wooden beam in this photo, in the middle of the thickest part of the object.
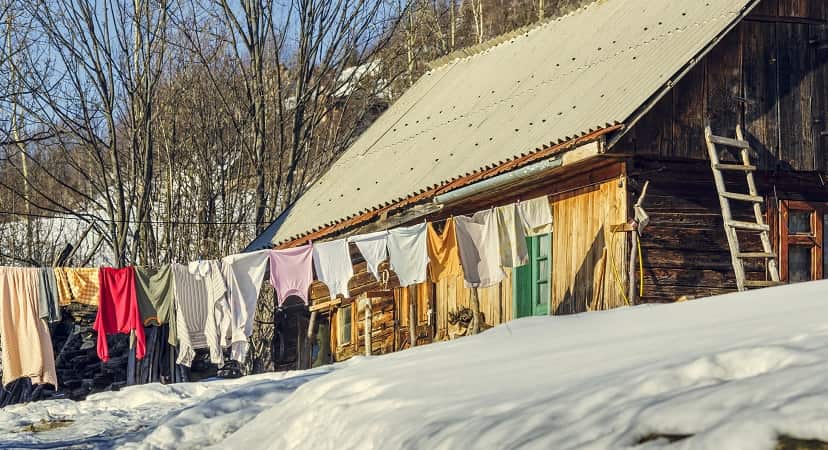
(325, 305)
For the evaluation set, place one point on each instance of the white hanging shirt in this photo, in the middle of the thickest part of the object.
(479, 246)
(513, 250)
(408, 253)
(244, 274)
(374, 248)
(536, 216)
(332, 262)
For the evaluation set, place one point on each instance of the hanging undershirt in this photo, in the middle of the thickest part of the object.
(332, 262)
(291, 272)
(479, 246)
(408, 253)
(443, 255)
(216, 307)
(244, 274)
(118, 310)
(374, 248)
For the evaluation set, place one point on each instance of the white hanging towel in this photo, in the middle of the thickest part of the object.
(513, 251)
(536, 216)
(332, 261)
(408, 253)
(244, 274)
(374, 248)
(479, 245)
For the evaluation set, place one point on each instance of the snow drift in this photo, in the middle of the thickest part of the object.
(734, 371)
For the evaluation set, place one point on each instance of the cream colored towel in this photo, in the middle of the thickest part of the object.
(536, 216)
(25, 340)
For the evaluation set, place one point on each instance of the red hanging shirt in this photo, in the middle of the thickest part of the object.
(118, 310)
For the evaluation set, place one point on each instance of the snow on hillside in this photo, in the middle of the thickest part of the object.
(731, 372)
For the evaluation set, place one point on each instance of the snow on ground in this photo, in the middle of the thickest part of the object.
(733, 372)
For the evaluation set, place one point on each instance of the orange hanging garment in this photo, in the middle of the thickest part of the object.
(443, 254)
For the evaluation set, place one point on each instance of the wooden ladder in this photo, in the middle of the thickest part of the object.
(730, 225)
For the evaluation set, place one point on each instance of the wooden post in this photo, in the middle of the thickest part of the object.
(368, 322)
(310, 338)
(632, 293)
(412, 315)
(474, 326)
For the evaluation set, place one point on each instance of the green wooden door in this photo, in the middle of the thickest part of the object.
(532, 283)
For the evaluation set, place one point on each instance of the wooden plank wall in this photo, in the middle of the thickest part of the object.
(684, 248)
(582, 221)
(452, 294)
(768, 74)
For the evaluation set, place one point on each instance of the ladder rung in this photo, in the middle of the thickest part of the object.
(747, 225)
(762, 283)
(730, 142)
(742, 197)
(756, 255)
(741, 167)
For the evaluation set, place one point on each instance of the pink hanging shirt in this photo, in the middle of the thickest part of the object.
(291, 272)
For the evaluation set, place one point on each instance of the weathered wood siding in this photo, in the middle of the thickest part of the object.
(769, 74)
(452, 294)
(582, 222)
(684, 248)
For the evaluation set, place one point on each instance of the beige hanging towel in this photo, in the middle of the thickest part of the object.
(510, 230)
(536, 216)
(24, 337)
(479, 249)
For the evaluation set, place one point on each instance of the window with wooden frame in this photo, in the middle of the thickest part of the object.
(801, 239)
(344, 322)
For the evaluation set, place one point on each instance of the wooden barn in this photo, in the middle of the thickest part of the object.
(587, 110)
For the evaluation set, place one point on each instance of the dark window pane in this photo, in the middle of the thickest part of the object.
(345, 326)
(799, 222)
(799, 264)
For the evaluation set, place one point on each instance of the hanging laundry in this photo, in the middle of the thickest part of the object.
(291, 272)
(332, 261)
(78, 285)
(408, 253)
(244, 274)
(49, 300)
(536, 216)
(216, 332)
(479, 246)
(443, 254)
(374, 248)
(191, 303)
(118, 310)
(25, 340)
(154, 290)
(510, 231)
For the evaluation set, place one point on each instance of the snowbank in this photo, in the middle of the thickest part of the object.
(730, 372)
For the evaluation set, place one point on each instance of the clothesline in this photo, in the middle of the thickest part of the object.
(211, 303)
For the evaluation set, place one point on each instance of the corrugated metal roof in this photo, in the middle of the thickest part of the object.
(560, 80)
